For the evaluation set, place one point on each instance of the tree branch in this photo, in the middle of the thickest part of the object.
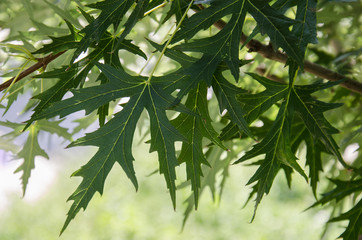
(322, 72)
(253, 45)
(42, 62)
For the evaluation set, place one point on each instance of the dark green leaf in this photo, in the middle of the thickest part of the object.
(226, 94)
(353, 230)
(342, 189)
(205, 18)
(225, 44)
(144, 94)
(112, 12)
(195, 128)
(276, 25)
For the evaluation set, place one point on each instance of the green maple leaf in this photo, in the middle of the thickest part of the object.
(277, 149)
(311, 111)
(30, 150)
(112, 12)
(278, 142)
(195, 128)
(354, 228)
(136, 15)
(305, 28)
(224, 46)
(342, 189)
(276, 26)
(210, 177)
(73, 76)
(255, 105)
(177, 9)
(205, 18)
(276, 145)
(114, 139)
(226, 94)
(59, 44)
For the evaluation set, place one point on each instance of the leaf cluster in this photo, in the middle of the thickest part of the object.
(209, 72)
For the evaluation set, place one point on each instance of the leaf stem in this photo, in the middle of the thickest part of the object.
(169, 41)
(42, 62)
(155, 8)
(15, 79)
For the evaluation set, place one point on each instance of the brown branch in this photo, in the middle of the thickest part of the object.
(42, 62)
(322, 72)
(267, 52)
(262, 71)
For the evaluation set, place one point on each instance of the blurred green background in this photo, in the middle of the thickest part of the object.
(121, 213)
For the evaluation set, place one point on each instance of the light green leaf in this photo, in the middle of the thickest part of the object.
(8, 146)
(28, 153)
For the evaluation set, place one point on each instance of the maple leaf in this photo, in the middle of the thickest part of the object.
(120, 130)
(210, 177)
(354, 228)
(223, 46)
(205, 18)
(276, 25)
(59, 44)
(342, 189)
(311, 111)
(31, 148)
(112, 12)
(195, 128)
(277, 149)
(277, 144)
(178, 7)
(71, 77)
(226, 94)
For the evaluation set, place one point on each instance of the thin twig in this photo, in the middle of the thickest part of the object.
(268, 52)
(263, 71)
(42, 62)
